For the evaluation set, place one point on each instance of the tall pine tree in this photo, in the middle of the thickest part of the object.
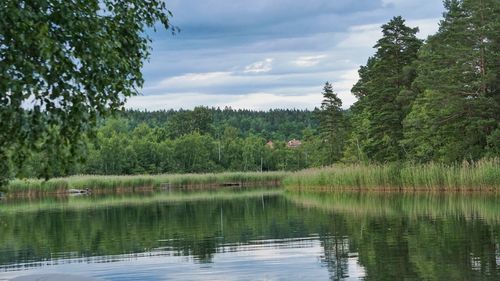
(332, 125)
(385, 96)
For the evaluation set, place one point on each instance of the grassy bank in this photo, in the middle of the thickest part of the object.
(480, 176)
(483, 175)
(130, 183)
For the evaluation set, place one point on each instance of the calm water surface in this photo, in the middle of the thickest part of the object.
(254, 235)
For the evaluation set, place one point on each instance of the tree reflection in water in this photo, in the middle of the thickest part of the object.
(376, 237)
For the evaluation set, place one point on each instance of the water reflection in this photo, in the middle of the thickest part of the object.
(261, 234)
(416, 236)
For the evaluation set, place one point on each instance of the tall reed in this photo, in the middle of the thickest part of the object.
(116, 183)
(483, 175)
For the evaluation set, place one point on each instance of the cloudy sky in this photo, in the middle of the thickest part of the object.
(262, 54)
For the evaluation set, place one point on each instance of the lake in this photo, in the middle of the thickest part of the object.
(254, 234)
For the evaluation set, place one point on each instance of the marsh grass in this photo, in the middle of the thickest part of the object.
(483, 175)
(120, 183)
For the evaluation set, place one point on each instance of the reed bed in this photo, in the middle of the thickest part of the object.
(482, 175)
(121, 183)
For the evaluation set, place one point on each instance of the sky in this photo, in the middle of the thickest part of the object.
(264, 54)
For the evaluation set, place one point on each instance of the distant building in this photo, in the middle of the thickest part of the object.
(293, 143)
(270, 144)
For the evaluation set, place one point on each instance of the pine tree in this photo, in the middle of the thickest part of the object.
(456, 116)
(332, 126)
(385, 96)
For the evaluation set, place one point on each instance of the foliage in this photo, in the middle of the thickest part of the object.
(432, 102)
(332, 125)
(62, 65)
(384, 93)
(148, 143)
(457, 113)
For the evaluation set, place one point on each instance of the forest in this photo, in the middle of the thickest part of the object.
(193, 141)
(419, 101)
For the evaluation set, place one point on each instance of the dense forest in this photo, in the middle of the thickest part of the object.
(190, 141)
(420, 101)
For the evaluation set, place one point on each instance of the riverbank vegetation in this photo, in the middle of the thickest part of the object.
(483, 175)
(431, 101)
(113, 184)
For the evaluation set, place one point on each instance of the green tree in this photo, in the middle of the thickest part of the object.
(230, 148)
(384, 93)
(195, 153)
(113, 155)
(63, 64)
(188, 121)
(166, 156)
(253, 153)
(331, 121)
(457, 114)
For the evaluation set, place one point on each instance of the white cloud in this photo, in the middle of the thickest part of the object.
(265, 101)
(386, 3)
(361, 36)
(213, 59)
(276, 78)
(255, 101)
(238, 90)
(426, 27)
(260, 66)
(195, 82)
(173, 100)
(366, 36)
(308, 61)
(207, 78)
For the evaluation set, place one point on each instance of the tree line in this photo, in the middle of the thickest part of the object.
(191, 141)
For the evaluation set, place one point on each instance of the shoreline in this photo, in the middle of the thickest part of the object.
(90, 184)
(480, 177)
